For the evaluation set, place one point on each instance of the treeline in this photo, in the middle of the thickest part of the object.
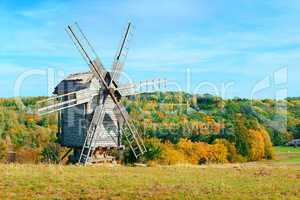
(244, 130)
(177, 127)
(24, 135)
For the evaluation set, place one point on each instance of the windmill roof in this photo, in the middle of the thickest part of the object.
(74, 82)
(83, 77)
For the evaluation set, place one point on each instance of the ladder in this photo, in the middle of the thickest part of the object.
(87, 148)
(134, 140)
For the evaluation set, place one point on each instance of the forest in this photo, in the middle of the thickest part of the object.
(177, 127)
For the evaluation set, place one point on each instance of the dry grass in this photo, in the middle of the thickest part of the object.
(278, 179)
(247, 181)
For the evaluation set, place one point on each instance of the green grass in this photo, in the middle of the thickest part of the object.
(284, 149)
(287, 155)
(278, 179)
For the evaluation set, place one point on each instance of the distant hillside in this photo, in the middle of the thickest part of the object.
(172, 122)
(203, 115)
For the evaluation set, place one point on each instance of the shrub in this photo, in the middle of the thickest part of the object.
(279, 138)
(27, 155)
(3, 150)
(128, 156)
(18, 136)
(154, 149)
(194, 152)
(185, 147)
(218, 153)
(51, 153)
(200, 153)
(170, 155)
(232, 154)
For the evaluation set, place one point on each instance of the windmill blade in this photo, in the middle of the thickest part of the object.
(132, 136)
(110, 122)
(64, 101)
(97, 120)
(151, 85)
(85, 49)
(121, 53)
(118, 114)
(143, 86)
(128, 89)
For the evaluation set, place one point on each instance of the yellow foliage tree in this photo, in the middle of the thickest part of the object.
(171, 156)
(218, 153)
(187, 148)
(200, 152)
(269, 154)
(232, 154)
(260, 145)
(257, 145)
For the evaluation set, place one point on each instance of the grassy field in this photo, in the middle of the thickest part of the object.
(279, 179)
(287, 155)
(283, 149)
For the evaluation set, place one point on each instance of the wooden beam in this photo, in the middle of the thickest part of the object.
(65, 155)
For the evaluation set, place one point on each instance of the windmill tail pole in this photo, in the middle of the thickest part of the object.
(65, 155)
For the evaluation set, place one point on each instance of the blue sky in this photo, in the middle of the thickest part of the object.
(202, 45)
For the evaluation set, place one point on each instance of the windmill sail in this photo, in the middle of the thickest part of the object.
(132, 136)
(121, 53)
(85, 48)
(87, 148)
(143, 86)
(64, 101)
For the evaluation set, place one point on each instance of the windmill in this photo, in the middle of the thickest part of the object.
(91, 116)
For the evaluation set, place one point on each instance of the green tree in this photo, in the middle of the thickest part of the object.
(51, 153)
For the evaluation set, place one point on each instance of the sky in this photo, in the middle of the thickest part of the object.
(229, 48)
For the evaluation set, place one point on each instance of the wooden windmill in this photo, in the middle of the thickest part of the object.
(90, 113)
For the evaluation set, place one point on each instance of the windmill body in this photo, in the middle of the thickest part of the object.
(75, 120)
(91, 116)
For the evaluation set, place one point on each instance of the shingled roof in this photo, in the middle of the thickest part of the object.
(74, 82)
(84, 77)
